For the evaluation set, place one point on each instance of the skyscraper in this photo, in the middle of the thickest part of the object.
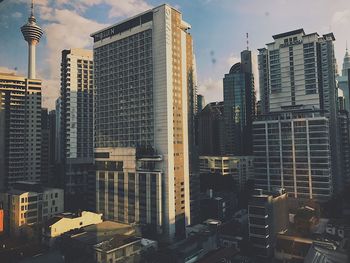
(239, 106)
(76, 117)
(344, 80)
(144, 77)
(296, 140)
(20, 118)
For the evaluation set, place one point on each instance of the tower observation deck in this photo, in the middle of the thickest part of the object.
(32, 34)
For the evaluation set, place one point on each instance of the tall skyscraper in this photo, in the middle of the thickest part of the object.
(20, 118)
(76, 116)
(344, 80)
(296, 141)
(239, 106)
(144, 77)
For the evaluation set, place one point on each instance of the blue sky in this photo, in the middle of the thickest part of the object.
(218, 26)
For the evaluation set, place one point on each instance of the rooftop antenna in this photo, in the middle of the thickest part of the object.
(247, 37)
(32, 8)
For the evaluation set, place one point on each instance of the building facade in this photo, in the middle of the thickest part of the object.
(76, 124)
(239, 106)
(267, 216)
(211, 129)
(298, 87)
(238, 168)
(144, 80)
(29, 204)
(20, 130)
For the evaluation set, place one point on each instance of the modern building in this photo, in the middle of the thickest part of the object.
(267, 215)
(239, 106)
(211, 129)
(144, 83)
(292, 150)
(65, 222)
(344, 80)
(76, 116)
(20, 129)
(28, 205)
(219, 172)
(297, 138)
(20, 117)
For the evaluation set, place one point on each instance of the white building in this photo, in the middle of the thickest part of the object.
(145, 76)
(28, 204)
(65, 222)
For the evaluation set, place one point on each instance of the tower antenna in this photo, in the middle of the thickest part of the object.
(32, 8)
(247, 37)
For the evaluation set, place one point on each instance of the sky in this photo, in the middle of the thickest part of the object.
(219, 30)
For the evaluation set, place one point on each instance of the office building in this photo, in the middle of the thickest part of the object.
(20, 129)
(239, 106)
(28, 204)
(292, 149)
(200, 103)
(267, 215)
(76, 124)
(225, 172)
(144, 80)
(211, 129)
(300, 117)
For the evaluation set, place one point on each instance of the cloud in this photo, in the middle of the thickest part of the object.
(16, 15)
(211, 89)
(341, 18)
(7, 70)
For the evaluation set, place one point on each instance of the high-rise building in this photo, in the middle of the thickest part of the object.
(239, 106)
(200, 103)
(344, 80)
(77, 103)
(300, 116)
(211, 140)
(144, 80)
(20, 129)
(76, 116)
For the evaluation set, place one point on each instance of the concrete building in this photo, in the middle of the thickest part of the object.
(292, 150)
(20, 129)
(76, 117)
(344, 80)
(239, 106)
(29, 204)
(106, 242)
(65, 222)
(267, 215)
(297, 76)
(145, 81)
(20, 117)
(239, 169)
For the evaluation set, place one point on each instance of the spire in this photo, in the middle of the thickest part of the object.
(32, 9)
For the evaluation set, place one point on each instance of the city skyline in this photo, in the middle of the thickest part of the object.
(215, 54)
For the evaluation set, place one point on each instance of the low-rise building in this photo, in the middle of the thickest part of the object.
(106, 242)
(30, 204)
(268, 215)
(65, 222)
(217, 171)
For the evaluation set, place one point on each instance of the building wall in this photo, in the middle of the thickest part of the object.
(292, 151)
(21, 116)
(155, 116)
(67, 224)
